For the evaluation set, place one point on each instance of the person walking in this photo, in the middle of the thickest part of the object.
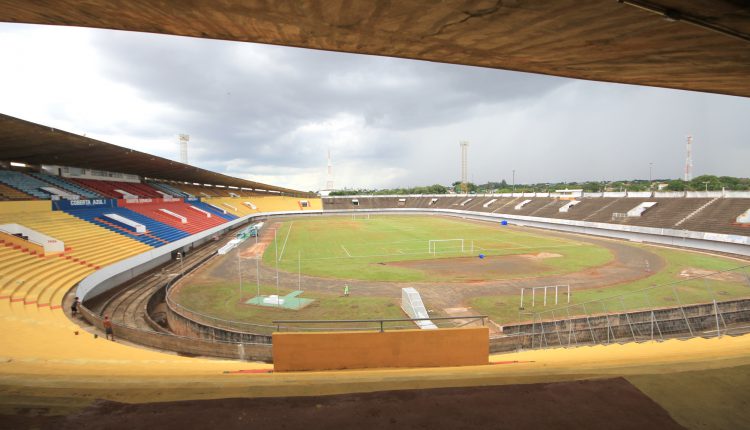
(74, 307)
(108, 329)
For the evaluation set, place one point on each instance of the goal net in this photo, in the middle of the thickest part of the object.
(435, 246)
(360, 216)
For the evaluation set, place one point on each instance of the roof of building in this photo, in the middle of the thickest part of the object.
(696, 45)
(31, 143)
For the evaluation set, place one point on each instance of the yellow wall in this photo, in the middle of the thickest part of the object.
(359, 350)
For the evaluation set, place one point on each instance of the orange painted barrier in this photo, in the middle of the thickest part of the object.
(360, 350)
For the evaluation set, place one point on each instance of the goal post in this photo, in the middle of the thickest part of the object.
(356, 216)
(432, 245)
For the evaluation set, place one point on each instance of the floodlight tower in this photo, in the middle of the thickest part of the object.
(329, 181)
(184, 138)
(689, 159)
(464, 166)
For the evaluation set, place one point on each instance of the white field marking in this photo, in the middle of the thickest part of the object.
(283, 247)
(347, 252)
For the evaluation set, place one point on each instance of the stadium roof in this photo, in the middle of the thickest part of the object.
(31, 143)
(701, 45)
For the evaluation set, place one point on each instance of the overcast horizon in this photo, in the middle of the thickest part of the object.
(270, 114)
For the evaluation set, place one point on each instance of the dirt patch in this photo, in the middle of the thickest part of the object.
(256, 250)
(541, 255)
(561, 405)
(474, 269)
(692, 272)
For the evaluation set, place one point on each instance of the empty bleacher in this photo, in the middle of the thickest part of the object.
(43, 280)
(9, 193)
(204, 192)
(66, 185)
(158, 233)
(195, 221)
(720, 217)
(24, 183)
(166, 188)
(109, 188)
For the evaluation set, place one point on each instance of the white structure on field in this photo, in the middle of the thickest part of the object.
(411, 303)
(432, 245)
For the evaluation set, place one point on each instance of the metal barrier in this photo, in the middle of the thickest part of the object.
(381, 323)
(636, 316)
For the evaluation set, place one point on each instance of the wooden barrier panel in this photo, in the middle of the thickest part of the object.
(359, 350)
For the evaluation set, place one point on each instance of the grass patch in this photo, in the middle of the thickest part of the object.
(504, 309)
(223, 301)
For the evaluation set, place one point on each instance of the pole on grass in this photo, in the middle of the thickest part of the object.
(276, 249)
(257, 274)
(299, 272)
(239, 270)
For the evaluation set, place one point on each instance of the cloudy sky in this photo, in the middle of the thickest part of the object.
(270, 114)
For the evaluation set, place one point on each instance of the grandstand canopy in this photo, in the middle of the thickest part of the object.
(701, 45)
(30, 143)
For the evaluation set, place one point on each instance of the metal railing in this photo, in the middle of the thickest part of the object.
(378, 323)
(642, 315)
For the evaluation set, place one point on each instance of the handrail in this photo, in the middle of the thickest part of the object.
(380, 321)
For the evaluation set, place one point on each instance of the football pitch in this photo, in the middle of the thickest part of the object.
(439, 256)
(423, 248)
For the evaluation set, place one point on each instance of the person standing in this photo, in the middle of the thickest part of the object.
(74, 307)
(108, 329)
(346, 290)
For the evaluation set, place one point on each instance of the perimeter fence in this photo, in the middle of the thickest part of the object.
(694, 307)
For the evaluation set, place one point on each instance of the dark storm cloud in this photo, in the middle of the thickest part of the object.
(245, 100)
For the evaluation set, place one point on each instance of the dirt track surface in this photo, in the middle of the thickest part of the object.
(596, 404)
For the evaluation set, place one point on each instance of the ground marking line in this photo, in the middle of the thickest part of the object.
(283, 247)
(347, 252)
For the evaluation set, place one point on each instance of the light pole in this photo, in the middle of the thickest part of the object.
(650, 167)
(514, 180)
(706, 184)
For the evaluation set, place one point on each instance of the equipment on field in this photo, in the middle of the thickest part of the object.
(481, 256)
(503, 222)
(432, 245)
(533, 293)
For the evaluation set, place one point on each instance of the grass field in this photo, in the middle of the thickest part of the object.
(341, 247)
(395, 249)
(667, 287)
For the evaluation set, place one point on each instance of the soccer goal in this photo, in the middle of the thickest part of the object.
(360, 216)
(435, 246)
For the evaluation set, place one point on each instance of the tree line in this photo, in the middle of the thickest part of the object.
(700, 183)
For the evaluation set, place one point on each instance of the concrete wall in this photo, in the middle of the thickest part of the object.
(182, 325)
(185, 345)
(358, 350)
